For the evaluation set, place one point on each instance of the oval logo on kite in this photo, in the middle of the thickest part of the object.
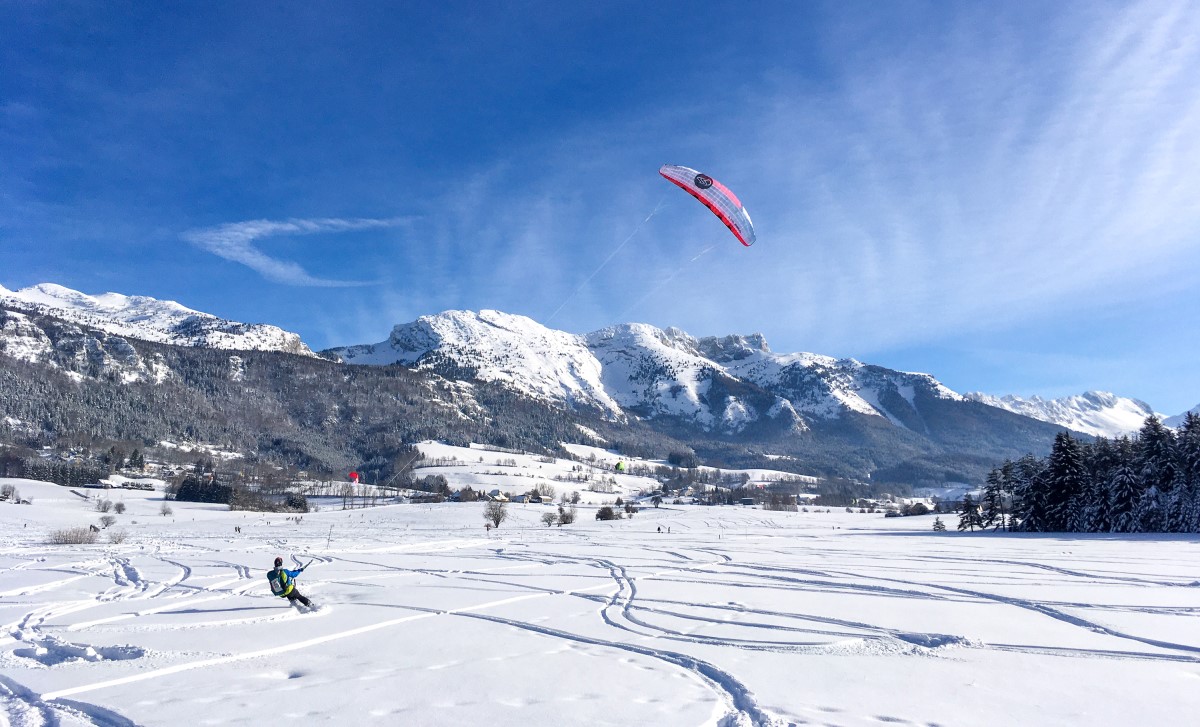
(703, 181)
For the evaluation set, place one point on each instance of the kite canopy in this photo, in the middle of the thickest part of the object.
(716, 197)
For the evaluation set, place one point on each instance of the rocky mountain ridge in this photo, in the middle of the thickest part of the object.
(150, 319)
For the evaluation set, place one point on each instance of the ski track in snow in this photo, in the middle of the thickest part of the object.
(645, 595)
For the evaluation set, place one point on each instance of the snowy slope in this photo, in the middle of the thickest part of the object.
(1094, 412)
(75, 350)
(1177, 420)
(821, 386)
(659, 372)
(680, 616)
(592, 474)
(494, 346)
(149, 319)
(724, 384)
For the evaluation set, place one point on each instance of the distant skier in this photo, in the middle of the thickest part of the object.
(283, 584)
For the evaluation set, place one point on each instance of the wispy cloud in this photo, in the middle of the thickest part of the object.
(235, 241)
(973, 181)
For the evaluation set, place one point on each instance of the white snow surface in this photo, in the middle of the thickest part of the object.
(511, 349)
(150, 319)
(649, 370)
(21, 339)
(645, 366)
(1099, 413)
(736, 616)
(592, 474)
(1177, 421)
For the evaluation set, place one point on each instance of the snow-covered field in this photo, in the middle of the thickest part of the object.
(485, 469)
(728, 616)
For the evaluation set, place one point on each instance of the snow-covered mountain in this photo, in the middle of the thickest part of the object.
(720, 384)
(493, 346)
(149, 319)
(731, 385)
(656, 372)
(1177, 420)
(822, 386)
(71, 348)
(730, 397)
(1093, 412)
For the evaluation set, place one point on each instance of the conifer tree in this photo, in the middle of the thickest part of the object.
(1150, 511)
(993, 499)
(1158, 470)
(970, 517)
(1065, 480)
(1007, 481)
(1029, 495)
(1189, 463)
(1102, 459)
(1124, 494)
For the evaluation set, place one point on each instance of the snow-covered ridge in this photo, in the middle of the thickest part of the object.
(77, 351)
(1177, 420)
(726, 383)
(1099, 413)
(494, 346)
(150, 319)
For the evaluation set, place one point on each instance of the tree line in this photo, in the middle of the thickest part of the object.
(1147, 483)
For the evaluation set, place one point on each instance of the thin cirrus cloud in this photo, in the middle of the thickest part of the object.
(961, 183)
(982, 182)
(234, 241)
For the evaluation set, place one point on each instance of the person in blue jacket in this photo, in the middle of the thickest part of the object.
(283, 584)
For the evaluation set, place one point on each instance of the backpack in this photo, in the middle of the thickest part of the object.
(278, 581)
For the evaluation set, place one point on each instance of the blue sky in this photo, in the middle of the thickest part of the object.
(1006, 195)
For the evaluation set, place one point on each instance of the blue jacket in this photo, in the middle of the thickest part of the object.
(286, 577)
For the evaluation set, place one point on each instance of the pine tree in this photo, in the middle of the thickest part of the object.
(993, 499)
(1188, 442)
(1158, 469)
(1150, 512)
(1065, 480)
(970, 517)
(1029, 495)
(1124, 493)
(938, 525)
(1102, 459)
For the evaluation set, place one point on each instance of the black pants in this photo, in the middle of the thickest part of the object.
(295, 596)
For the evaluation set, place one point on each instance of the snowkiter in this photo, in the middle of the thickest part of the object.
(283, 584)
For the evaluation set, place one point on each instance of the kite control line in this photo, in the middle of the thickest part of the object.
(661, 285)
(611, 255)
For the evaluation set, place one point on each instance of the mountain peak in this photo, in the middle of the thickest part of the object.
(1177, 420)
(733, 347)
(491, 345)
(1099, 413)
(150, 319)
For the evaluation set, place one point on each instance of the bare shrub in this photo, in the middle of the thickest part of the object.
(495, 513)
(165, 510)
(566, 515)
(73, 536)
(548, 518)
(8, 491)
(117, 537)
(119, 508)
(107, 520)
(103, 505)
